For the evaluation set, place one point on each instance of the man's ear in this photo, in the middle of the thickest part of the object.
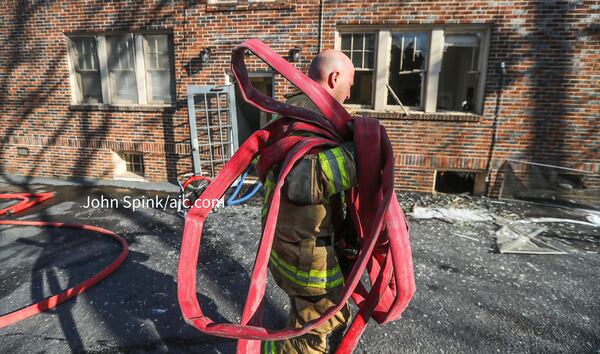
(332, 79)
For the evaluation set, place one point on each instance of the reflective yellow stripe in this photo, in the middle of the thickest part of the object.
(327, 170)
(330, 278)
(337, 174)
(269, 347)
(269, 187)
(341, 162)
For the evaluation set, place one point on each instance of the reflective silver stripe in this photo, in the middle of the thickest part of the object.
(334, 279)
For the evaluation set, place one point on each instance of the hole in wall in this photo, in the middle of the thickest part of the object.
(457, 182)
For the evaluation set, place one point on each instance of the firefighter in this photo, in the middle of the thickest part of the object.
(303, 260)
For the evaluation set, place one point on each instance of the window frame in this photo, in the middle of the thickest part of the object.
(383, 46)
(135, 167)
(76, 85)
(375, 71)
(139, 63)
(394, 107)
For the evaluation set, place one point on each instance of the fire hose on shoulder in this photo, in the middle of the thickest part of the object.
(28, 200)
(379, 221)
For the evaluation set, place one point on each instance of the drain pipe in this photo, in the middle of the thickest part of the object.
(321, 5)
(502, 70)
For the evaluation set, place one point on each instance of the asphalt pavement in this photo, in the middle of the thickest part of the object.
(469, 299)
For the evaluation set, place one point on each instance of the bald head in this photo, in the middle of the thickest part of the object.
(334, 71)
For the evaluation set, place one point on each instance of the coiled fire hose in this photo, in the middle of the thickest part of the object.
(28, 200)
(377, 216)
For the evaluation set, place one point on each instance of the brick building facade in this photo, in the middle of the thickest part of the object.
(93, 89)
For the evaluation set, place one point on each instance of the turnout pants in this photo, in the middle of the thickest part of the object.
(304, 265)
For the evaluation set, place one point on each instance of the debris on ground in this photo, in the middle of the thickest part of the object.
(543, 220)
(450, 215)
(521, 238)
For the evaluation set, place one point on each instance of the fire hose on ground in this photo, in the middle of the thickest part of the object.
(377, 216)
(28, 200)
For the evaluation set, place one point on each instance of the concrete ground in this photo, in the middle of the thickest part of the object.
(469, 299)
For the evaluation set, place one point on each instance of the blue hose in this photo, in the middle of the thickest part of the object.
(231, 201)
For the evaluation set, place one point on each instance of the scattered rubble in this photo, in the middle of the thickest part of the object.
(521, 238)
(450, 214)
(517, 224)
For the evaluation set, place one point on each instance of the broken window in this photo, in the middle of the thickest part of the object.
(456, 182)
(87, 69)
(459, 76)
(432, 69)
(408, 59)
(360, 48)
(122, 69)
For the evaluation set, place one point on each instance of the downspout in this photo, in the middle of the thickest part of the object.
(502, 70)
(321, 5)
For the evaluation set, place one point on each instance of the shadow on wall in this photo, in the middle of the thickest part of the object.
(552, 53)
(18, 61)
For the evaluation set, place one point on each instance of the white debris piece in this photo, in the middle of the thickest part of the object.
(521, 239)
(594, 219)
(592, 223)
(451, 214)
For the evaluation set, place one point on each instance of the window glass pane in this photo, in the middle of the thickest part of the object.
(87, 57)
(408, 59)
(160, 86)
(346, 42)
(91, 87)
(357, 59)
(360, 48)
(460, 72)
(158, 68)
(121, 69)
(370, 41)
(370, 60)
(87, 69)
(357, 41)
(134, 162)
(362, 90)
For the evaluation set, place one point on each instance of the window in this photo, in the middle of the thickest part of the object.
(121, 69)
(128, 165)
(407, 67)
(134, 163)
(87, 70)
(424, 68)
(360, 48)
(158, 68)
(458, 78)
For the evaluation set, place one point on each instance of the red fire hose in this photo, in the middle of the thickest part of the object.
(380, 223)
(27, 201)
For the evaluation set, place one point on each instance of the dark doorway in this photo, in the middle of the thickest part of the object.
(250, 118)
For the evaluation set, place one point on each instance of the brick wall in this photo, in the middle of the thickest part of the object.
(549, 108)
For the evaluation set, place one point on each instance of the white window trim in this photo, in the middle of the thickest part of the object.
(338, 45)
(433, 64)
(140, 71)
(76, 95)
